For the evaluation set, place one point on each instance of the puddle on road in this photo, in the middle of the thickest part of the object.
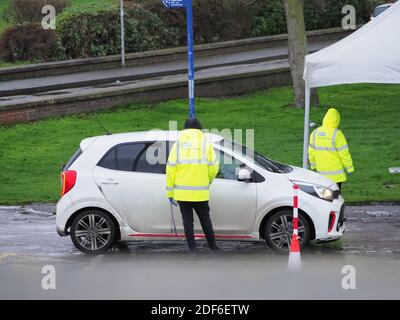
(30, 231)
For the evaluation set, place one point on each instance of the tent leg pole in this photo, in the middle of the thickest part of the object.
(306, 127)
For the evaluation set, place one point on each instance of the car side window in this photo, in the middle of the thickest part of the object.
(137, 157)
(228, 166)
(122, 157)
(154, 159)
(110, 160)
(127, 155)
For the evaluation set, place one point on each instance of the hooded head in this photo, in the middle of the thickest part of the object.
(193, 123)
(331, 119)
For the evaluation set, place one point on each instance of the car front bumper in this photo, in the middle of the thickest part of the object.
(323, 232)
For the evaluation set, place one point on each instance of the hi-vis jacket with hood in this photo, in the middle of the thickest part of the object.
(328, 150)
(191, 168)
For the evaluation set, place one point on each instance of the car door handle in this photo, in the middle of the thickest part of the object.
(109, 181)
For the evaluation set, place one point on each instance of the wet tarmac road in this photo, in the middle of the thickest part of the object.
(165, 270)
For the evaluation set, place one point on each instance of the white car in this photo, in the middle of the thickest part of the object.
(112, 192)
(380, 9)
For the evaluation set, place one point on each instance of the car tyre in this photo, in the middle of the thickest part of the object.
(278, 231)
(93, 232)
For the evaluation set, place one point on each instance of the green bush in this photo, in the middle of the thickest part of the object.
(332, 12)
(89, 32)
(319, 14)
(214, 20)
(22, 11)
(270, 19)
(30, 42)
(222, 20)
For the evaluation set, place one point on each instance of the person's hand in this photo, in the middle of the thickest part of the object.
(173, 202)
(350, 173)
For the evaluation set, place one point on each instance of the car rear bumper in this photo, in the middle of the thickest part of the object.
(64, 209)
(61, 232)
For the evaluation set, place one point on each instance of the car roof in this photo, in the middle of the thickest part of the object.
(152, 135)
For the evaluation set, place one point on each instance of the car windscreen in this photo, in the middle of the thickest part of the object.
(259, 159)
(378, 11)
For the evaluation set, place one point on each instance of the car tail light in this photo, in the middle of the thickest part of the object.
(332, 219)
(68, 179)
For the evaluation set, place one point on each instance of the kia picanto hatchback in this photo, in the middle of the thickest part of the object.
(114, 189)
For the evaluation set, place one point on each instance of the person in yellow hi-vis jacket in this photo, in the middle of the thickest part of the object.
(191, 168)
(328, 149)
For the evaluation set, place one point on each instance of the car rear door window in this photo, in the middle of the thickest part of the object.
(128, 154)
(110, 160)
(138, 157)
(122, 157)
(154, 159)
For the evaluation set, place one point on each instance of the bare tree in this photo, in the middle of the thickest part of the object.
(298, 47)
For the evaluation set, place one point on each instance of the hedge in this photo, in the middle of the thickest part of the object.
(30, 42)
(93, 29)
(319, 14)
(88, 33)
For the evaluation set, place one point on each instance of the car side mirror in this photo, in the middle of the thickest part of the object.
(313, 125)
(244, 175)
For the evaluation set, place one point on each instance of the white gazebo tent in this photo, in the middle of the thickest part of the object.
(369, 55)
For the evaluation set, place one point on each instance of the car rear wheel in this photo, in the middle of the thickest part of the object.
(93, 232)
(278, 231)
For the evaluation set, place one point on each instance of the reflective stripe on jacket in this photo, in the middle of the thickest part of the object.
(191, 168)
(328, 150)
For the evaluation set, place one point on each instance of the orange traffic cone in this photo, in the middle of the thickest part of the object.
(294, 263)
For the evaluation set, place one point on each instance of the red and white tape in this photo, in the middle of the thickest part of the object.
(294, 263)
(295, 222)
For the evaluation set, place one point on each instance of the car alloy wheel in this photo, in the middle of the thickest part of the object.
(279, 229)
(93, 232)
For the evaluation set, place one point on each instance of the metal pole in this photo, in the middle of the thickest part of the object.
(122, 33)
(306, 127)
(189, 13)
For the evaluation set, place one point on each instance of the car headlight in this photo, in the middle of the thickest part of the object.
(318, 191)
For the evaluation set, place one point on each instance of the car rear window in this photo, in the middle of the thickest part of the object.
(73, 159)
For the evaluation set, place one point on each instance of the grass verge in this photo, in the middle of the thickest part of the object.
(31, 154)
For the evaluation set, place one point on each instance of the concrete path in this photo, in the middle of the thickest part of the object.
(59, 82)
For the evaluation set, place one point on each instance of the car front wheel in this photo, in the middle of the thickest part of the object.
(93, 232)
(278, 231)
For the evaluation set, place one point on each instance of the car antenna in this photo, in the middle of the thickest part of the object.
(103, 127)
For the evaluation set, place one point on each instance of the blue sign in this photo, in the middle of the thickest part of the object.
(174, 3)
(190, 43)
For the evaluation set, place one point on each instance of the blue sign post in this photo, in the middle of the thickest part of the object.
(176, 4)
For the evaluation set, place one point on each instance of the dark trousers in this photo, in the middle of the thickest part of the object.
(203, 212)
(340, 186)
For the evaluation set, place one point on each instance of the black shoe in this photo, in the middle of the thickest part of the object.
(215, 248)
